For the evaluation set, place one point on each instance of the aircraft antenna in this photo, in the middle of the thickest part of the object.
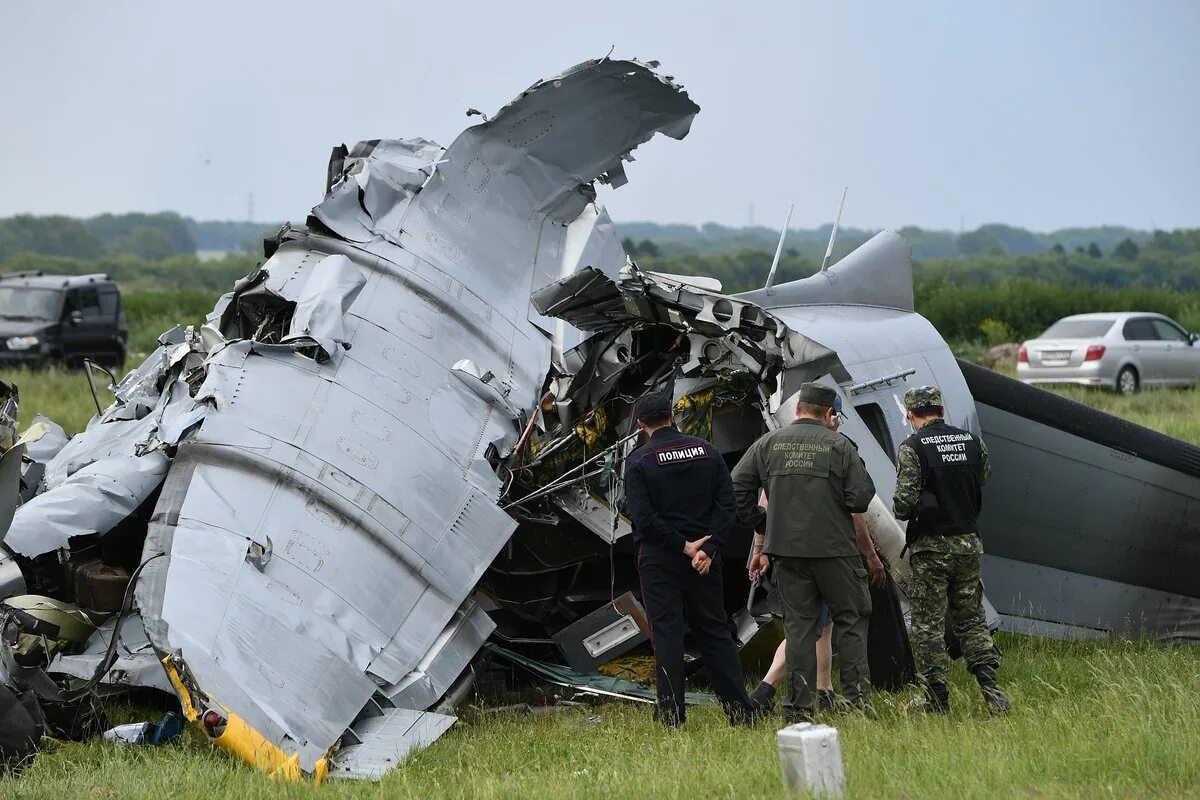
(833, 233)
(779, 249)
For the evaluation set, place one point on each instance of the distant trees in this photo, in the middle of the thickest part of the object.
(149, 236)
(979, 242)
(53, 235)
(1126, 249)
(122, 231)
(1094, 251)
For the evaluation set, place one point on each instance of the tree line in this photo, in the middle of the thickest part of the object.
(986, 296)
(926, 243)
(151, 237)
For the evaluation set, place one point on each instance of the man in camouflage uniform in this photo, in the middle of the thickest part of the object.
(941, 471)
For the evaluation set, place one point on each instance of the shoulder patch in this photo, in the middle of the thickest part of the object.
(680, 453)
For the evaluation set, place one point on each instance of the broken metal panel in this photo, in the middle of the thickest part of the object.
(91, 501)
(374, 184)
(511, 185)
(49, 444)
(587, 299)
(322, 302)
(96, 442)
(136, 664)
(447, 658)
(385, 740)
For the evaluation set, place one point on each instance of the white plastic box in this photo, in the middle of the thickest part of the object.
(811, 759)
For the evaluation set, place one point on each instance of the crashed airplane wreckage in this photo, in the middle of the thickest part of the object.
(401, 437)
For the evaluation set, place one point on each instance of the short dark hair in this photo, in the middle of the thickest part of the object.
(929, 411)
(654, 419)
(811, 409)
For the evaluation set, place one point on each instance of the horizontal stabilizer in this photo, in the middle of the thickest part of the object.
(877, 274)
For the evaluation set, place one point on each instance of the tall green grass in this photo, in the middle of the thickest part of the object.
(151, 312)
(1091, 720)
(1026, 307)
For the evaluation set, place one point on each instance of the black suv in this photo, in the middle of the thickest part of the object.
(61, 318)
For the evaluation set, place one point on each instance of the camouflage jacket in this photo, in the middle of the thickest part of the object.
(910, 482)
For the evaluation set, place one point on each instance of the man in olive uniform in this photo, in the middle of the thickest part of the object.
(941, 472)
(814, 480)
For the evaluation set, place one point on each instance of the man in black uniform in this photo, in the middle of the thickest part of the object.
(681, 501)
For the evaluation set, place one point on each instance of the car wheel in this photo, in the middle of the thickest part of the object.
(1127, 381)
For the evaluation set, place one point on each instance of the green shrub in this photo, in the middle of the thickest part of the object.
(995, 332)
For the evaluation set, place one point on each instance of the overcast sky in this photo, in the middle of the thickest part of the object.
(1039, 114)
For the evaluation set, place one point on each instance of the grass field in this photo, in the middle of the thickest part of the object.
(1096, 720)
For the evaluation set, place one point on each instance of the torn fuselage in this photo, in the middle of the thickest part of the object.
(322, 461)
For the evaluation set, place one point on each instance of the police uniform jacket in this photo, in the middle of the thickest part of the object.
(677, 489)
(814, 479)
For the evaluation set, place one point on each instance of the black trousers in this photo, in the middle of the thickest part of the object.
(672, 591)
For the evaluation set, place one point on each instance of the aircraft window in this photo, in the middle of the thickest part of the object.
(876, 422)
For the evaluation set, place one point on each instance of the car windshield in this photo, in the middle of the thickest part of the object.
(23, 302)
(1077, 329)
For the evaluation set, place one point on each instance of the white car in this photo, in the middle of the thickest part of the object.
(1119, 351)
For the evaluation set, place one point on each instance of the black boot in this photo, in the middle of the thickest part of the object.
(997, 703)
(763, 698)
(826, 699)
(937, 698)
(668, 715)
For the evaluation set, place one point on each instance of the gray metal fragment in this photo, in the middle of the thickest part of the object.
(448, 656)
(136, 665)
(92, 500)
(384, 741)
(47, 446)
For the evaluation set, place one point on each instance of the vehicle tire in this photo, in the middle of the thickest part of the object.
(1127, 381)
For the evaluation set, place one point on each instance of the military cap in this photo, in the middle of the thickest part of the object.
(817, 394)
(922, 396)
(653, 407)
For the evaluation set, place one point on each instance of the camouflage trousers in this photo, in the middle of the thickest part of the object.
(941, 583)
